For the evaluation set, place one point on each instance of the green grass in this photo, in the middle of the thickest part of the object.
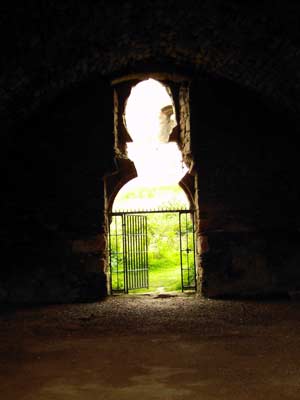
(151, 197)
(163, 276)
(163, 253)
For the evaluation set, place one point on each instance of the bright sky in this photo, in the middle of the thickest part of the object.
(158, 162)
(143, 109)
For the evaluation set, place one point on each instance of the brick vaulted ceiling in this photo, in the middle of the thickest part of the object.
(47, 46)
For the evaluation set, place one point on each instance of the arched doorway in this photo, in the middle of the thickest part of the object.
(152, 229)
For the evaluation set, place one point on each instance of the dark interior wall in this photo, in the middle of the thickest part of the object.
(48, 46)
(56, 136)
(248, 190)
(249, 152)
(54, 198)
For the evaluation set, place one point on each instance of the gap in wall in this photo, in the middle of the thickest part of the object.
(150, 118)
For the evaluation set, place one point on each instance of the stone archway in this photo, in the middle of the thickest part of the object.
(178, 89)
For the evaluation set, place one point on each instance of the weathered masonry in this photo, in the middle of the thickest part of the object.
(178, 87)
(234, 80)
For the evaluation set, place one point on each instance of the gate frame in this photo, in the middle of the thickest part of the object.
(122, 213)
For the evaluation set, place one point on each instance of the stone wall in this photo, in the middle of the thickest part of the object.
(247, 191)
(251, 264)
(57, 144)
(54, 241)
(49, 46)
(54, 230)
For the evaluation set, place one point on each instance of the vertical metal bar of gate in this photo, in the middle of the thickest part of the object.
(110, 256)
(135, 274)
(133, 255)
(187, 251)
(137, 252)
(146, 272)
(125, 252)
(180, 244)
(130, 250)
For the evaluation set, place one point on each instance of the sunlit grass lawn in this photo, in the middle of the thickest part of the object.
(163, 245)
(164, 276)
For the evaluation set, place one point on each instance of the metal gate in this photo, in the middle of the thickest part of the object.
(187, 250)
(128, 250)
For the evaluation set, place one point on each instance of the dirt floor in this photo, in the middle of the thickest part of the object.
(152, 347)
